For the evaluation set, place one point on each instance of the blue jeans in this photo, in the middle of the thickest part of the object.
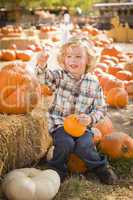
(83, 147)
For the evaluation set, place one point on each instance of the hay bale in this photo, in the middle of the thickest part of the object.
(24, 139)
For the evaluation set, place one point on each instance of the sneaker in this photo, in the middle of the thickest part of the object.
(106, 175)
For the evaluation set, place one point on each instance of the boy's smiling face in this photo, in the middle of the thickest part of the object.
(76, 60)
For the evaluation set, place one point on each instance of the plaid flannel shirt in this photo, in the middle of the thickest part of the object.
(72, 96)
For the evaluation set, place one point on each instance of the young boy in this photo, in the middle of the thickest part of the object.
(76, 91)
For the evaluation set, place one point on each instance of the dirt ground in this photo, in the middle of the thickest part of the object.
(122, 118)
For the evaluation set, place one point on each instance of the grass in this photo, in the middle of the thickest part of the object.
(78, 187)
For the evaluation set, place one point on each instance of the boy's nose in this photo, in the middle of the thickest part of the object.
(73, 61)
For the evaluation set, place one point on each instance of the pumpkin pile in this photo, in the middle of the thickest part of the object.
(111, 142)
(11, 31)
(11, 55)
(115, 75)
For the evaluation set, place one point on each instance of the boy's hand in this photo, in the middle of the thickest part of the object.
(42, 60)
(85, 119)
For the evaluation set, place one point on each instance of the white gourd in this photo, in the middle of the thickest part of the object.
(31, 184)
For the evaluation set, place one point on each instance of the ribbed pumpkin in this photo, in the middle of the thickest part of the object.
(117, 97)
(112, 83)
(8, 55)
(129, 66)
(105, 126)
(19, 89)
(111, 51)
(129, 89)
(114, 69)
(104, 77)
(117, 145)
(73, 127)
(24, 55)
(124, 75)
(129, 86)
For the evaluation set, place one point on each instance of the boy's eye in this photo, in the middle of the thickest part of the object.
(78, 56)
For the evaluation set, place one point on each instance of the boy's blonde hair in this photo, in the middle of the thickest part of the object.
(83, 42)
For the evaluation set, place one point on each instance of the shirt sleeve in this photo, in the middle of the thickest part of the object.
(99, 107)
(51, 78)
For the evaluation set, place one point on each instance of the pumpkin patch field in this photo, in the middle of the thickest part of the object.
(24, 137)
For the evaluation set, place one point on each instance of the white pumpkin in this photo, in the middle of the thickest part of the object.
(31, 184)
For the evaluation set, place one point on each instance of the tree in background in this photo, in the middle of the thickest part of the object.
(83, 4)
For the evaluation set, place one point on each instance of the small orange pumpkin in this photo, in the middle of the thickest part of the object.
(129, 86)
(114, 69)
(73, 127)
(75, 164)
(129, 66)
(112, 83)
(111, 51)
(105, 126)
(24, 55)
(124, 75)
(8, 55)
(117, 97)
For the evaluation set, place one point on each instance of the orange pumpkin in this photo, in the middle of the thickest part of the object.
(8, 55)
(129, 89)
(129, 86)
(104, 77)
(75, 164)
(124, 75)
(129, 66)
(24, 55)
(112, 83)
(114, 69)
(117, 145)
(111, 51)
(117, 97)
(105, 126)
(73, 127)
(19, 90)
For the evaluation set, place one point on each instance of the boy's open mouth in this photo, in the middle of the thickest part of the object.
(73, 66)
